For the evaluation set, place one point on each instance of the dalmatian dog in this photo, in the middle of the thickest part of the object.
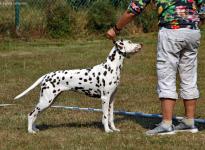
(100, 81)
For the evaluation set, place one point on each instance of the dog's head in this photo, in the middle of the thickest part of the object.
(127, 47)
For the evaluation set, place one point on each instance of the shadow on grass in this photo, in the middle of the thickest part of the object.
(72, 125)
(147, 123)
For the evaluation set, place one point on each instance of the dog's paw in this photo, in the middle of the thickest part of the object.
(116, 129)
(108, 130)
(32, 131)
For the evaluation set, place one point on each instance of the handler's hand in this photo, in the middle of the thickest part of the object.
(111, 34)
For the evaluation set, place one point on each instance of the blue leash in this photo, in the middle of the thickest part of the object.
(137, 114)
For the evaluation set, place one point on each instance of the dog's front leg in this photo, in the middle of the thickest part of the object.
(105, 106)
(111, 117)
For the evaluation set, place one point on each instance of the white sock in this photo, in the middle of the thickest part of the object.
(188, 121)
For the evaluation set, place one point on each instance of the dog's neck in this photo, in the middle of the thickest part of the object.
(115, 58)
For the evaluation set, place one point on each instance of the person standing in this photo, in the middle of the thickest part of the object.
(177, 49)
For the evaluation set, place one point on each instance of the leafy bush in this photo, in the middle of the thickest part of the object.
(148, 20)
(101, 15)
(59, 20)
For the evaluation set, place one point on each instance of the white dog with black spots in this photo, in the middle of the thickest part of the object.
(100, 81)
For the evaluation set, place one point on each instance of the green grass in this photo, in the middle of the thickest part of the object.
(21, 63)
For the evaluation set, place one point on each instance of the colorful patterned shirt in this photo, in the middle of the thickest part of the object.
(173, 14)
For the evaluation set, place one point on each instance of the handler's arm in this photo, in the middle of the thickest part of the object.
(126, 18)
(135, 8)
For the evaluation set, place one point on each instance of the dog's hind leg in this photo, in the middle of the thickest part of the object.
(111, 115)
(105, 106)
(45, 101)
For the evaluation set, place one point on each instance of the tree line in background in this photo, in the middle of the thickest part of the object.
(80, 18)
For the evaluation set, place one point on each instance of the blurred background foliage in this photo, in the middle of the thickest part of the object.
(63, 18)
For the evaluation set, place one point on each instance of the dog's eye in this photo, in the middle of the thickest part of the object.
(129, 42)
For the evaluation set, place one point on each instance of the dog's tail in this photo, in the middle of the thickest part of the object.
(30, 88)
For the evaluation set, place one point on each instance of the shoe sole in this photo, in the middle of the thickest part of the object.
(188, 130)
(165, 133)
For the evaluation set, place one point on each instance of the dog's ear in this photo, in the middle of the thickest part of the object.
(117, 45)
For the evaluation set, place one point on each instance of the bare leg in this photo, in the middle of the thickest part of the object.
(167, 108)
(190, 106)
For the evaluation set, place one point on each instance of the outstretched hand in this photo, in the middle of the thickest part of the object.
(111, 34)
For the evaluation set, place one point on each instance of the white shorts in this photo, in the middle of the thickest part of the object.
(177, 52)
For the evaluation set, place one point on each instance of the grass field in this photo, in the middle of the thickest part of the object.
(21, 63)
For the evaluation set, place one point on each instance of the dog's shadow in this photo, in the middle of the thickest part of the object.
(145, 122)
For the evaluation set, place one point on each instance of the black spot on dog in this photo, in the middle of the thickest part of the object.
(54, 91)
(71, 77)
(105, 66)
(109, 68)
(53, 84)
(99, 73)
(90, 79)
(67, 83)
(32, 112)
(50, 101)
(105, 73)
(63, 78)
(78, 72)
(85, 80)
(97, 85)
(80, 78)
(110, 83)
(111, 71)
(120, 67)
(89, 69)
(79, 88)
(112, 56)
(98, 79)
(103, 80)
(58, 90)
(42, 89)
(105, 117)
(93, 74)
(86, 74)
(66, 72)
(109, 106)
(79, 83)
